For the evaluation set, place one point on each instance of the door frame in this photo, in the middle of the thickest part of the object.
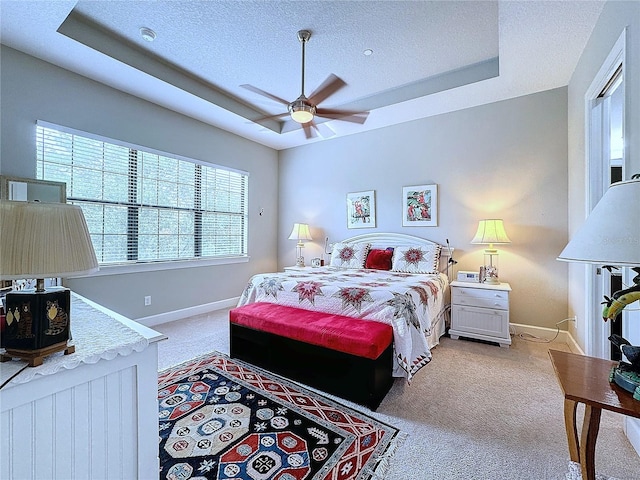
(596, 331)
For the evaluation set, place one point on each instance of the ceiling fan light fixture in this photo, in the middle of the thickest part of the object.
(301, 112)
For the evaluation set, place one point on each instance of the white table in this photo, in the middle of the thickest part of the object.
(92, 414)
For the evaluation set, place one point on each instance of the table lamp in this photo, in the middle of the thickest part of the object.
(300, 233)
(38, 241)
(491, 231)
(610, 236)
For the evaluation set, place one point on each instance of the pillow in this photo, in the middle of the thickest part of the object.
(349, 255)
(379, 259)
(416, 259)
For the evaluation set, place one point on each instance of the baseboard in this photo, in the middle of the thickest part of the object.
(547, 333)
(573, 345)
(632, 430)
(174, 315)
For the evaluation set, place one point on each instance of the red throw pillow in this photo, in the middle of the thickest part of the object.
(379, 259)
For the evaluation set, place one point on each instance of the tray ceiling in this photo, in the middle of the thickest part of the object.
(427, 57)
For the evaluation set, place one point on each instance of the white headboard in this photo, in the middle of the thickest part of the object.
(386, 240)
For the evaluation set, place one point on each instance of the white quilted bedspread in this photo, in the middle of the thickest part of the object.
(409, 302)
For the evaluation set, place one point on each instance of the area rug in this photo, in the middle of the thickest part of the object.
(224, 419)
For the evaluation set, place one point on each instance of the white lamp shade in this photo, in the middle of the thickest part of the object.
(491, 231)
(300, 232)
(44, 240)
(611, 233)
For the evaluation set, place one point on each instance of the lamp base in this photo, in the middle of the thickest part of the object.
(490, 276)
(36, 320)
(36, 357)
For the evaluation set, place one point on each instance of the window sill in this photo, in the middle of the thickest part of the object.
(118, 269)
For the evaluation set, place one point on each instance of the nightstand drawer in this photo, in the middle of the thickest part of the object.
(487, 322)
(474, 297)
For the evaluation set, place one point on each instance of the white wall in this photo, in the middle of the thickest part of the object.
(615, 16)
(34, 90)
(506, 160)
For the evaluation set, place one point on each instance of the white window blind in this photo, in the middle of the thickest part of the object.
(146, 206)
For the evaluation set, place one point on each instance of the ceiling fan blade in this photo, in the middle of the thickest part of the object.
(344, 115)
(263, 93)
(330, 86)
(270, 117)
(309, 129)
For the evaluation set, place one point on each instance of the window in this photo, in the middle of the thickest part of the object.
(145, 206)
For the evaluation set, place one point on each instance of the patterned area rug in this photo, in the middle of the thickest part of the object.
(224, 419)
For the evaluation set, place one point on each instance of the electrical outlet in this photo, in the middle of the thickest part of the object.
(147, 300)
(574, 319)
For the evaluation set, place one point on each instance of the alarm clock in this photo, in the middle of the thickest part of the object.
(465, 276)
(316, 262)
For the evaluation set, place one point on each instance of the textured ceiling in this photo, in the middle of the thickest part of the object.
(428, 57)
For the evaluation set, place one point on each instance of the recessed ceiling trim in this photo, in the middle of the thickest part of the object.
(83, 30)
(437, 83)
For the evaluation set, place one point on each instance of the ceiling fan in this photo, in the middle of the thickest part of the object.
(303, 109)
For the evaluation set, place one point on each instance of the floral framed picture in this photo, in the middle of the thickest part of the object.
(361, 209)
(420, 206)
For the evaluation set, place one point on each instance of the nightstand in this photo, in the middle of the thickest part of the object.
(480, 311)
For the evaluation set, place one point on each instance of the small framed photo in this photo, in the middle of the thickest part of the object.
(420, 206)
(361, 209)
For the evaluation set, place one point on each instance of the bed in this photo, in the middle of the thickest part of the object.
(411, 296)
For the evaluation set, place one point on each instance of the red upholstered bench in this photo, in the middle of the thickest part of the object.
(349, 357)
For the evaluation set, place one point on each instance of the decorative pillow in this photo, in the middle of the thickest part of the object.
(416, 259)
(379, 259)
(346, 255)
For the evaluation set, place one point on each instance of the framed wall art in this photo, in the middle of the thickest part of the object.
(420, 206)
(361, 209)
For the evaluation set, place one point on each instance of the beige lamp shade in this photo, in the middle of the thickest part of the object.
(611, 233)
(300, 232)
(44, 240)
(490, 231)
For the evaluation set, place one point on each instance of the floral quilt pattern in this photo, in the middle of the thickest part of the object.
(410, 303)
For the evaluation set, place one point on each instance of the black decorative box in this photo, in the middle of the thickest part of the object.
(35, 320)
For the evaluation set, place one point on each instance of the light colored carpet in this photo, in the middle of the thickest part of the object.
(574, 473)
(477, 411)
